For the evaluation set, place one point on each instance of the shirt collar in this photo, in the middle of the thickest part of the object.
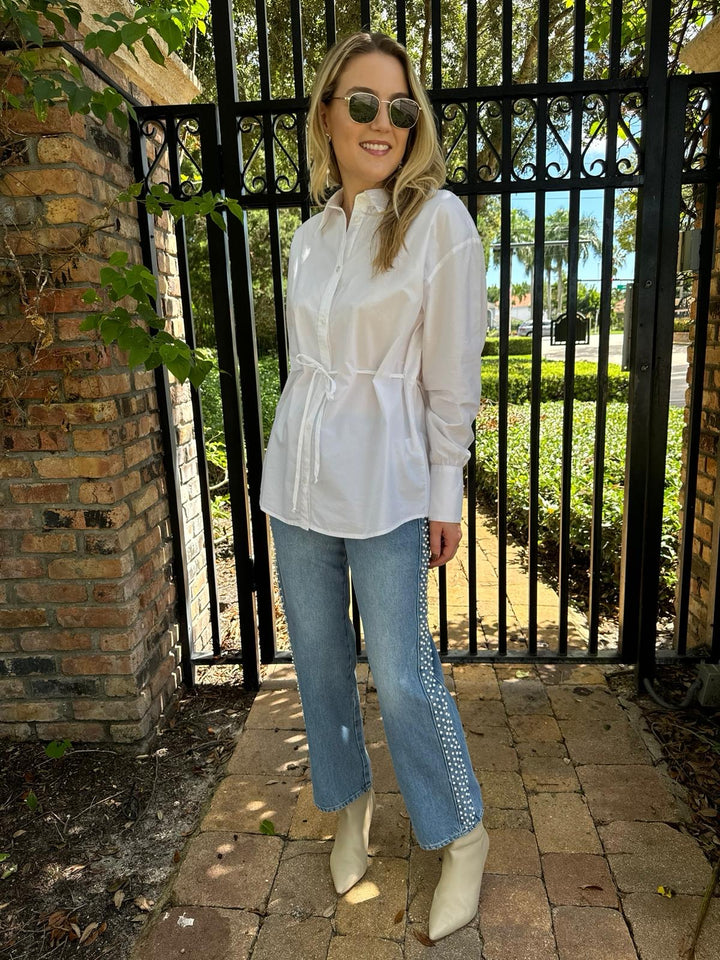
(376, 198)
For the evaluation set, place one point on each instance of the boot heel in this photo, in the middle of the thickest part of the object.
(349, 857)
(456, 896)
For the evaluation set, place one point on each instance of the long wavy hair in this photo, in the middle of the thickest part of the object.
(422, 171)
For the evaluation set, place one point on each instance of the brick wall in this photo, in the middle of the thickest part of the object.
(88, 639)
(707, 505)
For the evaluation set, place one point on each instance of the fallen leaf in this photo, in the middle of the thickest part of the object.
(666, 892)
(18, 833)
(398, 916)
(423, 938)
(90, 928)
(176, 857)
(118, 898)
(143, 904)
(160, 814)
(591, 886)
(267, 827)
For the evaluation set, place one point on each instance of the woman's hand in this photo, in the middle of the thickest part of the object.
(444, 540)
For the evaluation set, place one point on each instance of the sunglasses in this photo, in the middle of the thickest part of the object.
(364, 107)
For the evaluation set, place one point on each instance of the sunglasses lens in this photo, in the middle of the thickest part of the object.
(363, 107)
(404, 113)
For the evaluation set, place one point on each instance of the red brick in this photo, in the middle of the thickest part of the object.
(138, 452)
(108, 663)
(11, 688)
(17, 330)
(22, 441)
(68, 328)
(15, 518)
(109, 491)
(15, 731)
(14, 468)
(95, 439)
(77, 732)
(79, 466)
(29, 712)
(120, 616)
(101, 412)
(40, 492)
(42, 640)
(99, 385)
(88, 709)
(117, 592)
(51, 592)
(131, 732)
(15, 568)
(38, 182)
(148, 544)
(94, 568)
(22, 618)
(48, 543)
(93, 356)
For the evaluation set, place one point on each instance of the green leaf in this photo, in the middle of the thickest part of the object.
(139, 353)
(267, 827)
(180, 368)
(199, 371)
(108, 275)
(153, 50)
(218, 219)
(171, 34)
(90, 296)
(57, 748)
(4, 856)
(118, 258)
(168, 352)
(32, 801)
(73, 13)
(27, 24)
(132, 32)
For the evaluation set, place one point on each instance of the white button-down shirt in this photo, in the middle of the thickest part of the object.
(374, 424)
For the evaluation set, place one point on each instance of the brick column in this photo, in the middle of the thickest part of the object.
(702, 54)
(88, 638)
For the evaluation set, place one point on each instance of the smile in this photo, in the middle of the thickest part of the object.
(377, 148)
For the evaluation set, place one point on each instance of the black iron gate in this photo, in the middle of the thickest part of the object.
(516, 137)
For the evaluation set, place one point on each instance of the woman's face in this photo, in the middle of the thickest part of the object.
(367, 153)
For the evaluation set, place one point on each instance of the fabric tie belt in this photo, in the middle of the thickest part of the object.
(322, 388)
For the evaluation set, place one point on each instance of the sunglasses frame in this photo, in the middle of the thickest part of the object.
(366, 93)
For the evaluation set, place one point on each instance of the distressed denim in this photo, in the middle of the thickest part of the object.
(422, 725)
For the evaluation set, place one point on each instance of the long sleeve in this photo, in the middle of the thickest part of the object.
(454, 328)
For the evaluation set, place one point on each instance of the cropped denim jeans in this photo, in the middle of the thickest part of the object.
(422, 725)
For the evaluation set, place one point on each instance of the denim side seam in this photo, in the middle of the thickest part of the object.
(442, 721)
(357, 718)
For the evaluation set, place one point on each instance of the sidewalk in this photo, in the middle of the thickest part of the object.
(584, 826)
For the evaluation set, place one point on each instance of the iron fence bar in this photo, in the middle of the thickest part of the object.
(634, 615)
(471, 79)
(435, 45)
(330, 23)
(365, 18)
(543, 44)
(579, 41)
(227, 358)
(502, 408)
(460, 94)
(615, 38)
(506, 52)
(146, 226)
(243, 335)
(208, 141)
(535, 408)
(601, 401)
(401, 22)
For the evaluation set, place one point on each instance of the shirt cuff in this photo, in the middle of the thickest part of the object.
(446, 493)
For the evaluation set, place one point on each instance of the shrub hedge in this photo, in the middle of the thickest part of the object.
(580, 490)
(552, 380)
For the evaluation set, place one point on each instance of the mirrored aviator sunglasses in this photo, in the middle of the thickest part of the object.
(363, 108)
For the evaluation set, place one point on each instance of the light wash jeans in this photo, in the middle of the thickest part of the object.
(422, 724)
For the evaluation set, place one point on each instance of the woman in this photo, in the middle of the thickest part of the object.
(386, 316)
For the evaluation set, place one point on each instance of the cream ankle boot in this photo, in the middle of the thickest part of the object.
(349, 857)
(456, 896)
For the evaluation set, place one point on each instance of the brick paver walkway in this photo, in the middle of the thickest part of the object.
(584, 826)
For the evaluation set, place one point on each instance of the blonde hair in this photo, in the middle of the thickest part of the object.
(423, 168)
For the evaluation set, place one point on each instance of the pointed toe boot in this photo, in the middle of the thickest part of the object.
(349, 857)
(456, 896)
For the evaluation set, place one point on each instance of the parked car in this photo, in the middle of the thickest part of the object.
(526, 328)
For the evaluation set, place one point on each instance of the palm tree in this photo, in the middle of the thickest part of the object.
(557, 231)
